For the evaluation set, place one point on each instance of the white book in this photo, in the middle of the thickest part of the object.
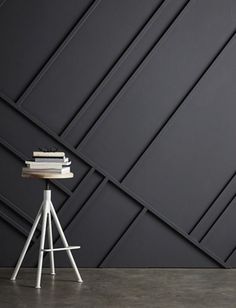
(46, 165)
(52, 170)
(53, 160)
(48, 154)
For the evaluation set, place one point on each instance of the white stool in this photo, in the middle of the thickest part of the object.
(46, 211)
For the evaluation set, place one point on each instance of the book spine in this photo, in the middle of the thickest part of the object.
(52, 170)
(45, 165)
(49, 160)
(49, 157)
(48, 154)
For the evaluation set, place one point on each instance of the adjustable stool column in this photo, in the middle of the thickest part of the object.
(47, 213)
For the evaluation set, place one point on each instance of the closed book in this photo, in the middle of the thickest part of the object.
(48, 154)
(52, 170)
(46, 165)
(52, 160)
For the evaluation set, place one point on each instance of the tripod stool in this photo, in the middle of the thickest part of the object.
(47, 213)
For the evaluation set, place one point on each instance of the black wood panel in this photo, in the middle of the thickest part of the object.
(79, 66)
(152, 32)
(186, 166)
(141, 96)
(215, 209)
(169, 72)
(30, 31)
(98, 226)
(150, 236)
(9, 252)
(219, 239)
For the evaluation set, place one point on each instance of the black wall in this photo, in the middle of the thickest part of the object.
(141, 96)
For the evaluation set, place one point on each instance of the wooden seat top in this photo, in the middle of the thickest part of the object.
(41, 175)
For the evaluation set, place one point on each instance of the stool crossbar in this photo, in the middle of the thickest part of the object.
(46, 213)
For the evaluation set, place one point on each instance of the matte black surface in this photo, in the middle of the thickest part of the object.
(90, 54)
(30, 32)
(141, 96)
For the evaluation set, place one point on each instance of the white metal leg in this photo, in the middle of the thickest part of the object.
(50, 241)
(25, 248)
(42, 241)
(47, 212)
(65, 243)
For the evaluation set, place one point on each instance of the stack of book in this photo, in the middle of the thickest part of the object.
(47, 162)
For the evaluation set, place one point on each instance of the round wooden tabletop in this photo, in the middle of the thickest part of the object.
(48, 175)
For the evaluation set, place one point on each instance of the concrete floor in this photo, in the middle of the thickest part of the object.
(121, 288)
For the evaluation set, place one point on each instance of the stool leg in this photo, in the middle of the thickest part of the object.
(65, 243)
(25, 248)
(50, 240)
(42, 241)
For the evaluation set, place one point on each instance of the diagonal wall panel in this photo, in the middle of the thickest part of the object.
(140, 95)
(142, 106)
(152, 32)
(150, 232)
(215, 210)
(9, 252)
(219, 239)
(109, 214)
(97, 45)
(30, 31)
(190, 161)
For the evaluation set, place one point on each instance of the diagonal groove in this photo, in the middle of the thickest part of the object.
(132, 78)
(159, 216)
(82, 182)
(123, 236)
(217, 218)
(230, 254)
(42, 126)
(92, 196)
(213, 202)
(16, 209)
(14, 224)
(182, 102)
(107, 175)
(114, 250)
(59, 50)
(91, 99)
(172, 225)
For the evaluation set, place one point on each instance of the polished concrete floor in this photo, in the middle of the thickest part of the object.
(164, 288)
